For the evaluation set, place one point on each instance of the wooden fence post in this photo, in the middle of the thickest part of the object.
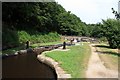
(27, 44)
(64, 45)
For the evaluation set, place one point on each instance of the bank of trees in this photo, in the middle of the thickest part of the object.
(37, 18)
(43, 18)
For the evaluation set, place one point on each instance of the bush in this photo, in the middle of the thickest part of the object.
(9, 38)
(13, 38)
(38, 37)
(23, 36)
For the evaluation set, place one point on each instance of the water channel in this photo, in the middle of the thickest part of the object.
(26, 66)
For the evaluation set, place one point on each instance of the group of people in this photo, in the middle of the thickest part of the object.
(73, 41)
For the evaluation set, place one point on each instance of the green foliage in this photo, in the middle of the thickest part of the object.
(34, 21)
(13, 38)
(111, 31)
(38, 22)
(23, 36)
(43, 17)
(97, 31)
(103, 39)
(38, 37)
(9, 38)
(69, 24)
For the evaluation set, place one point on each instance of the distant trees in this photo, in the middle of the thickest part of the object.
(69, 24)
(109, 28)
(97, 30)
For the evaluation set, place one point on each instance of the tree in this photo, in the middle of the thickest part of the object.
(117, 15)
(111, 31)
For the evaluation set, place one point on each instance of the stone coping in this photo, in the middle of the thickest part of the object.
(52, 63)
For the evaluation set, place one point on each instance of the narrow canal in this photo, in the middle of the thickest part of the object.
(26, 66)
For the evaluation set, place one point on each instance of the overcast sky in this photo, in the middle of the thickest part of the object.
(90, 11)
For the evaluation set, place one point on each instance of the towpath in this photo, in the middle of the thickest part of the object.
(96, 68)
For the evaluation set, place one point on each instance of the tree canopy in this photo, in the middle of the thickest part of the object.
(44, 17)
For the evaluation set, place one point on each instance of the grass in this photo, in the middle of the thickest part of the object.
(12, 50)
(104, 47)
(42, 44)
(73, 61)
(37, 37)
(109, 56)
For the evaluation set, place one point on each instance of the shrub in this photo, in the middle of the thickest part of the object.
(9, 38)
(23, 36)
(38, 37)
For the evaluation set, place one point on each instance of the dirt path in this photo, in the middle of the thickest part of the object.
(96, 69)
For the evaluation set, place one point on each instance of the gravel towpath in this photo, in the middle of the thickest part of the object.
(96, 68)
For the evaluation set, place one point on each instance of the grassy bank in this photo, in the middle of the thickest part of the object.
(108, 56)
(16, 40)
(37, 37)
(13, 38)
(48, 43)
(73, 61)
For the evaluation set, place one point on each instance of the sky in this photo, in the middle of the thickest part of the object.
(90, 11)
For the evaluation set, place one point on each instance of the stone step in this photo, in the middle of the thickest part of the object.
(64, 76)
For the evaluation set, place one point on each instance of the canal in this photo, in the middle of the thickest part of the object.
(26, 66)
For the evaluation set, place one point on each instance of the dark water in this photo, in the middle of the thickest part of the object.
(26, 66)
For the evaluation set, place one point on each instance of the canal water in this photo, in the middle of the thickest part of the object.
(26, 66)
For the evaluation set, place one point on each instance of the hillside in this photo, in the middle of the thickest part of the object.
(28, 21)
